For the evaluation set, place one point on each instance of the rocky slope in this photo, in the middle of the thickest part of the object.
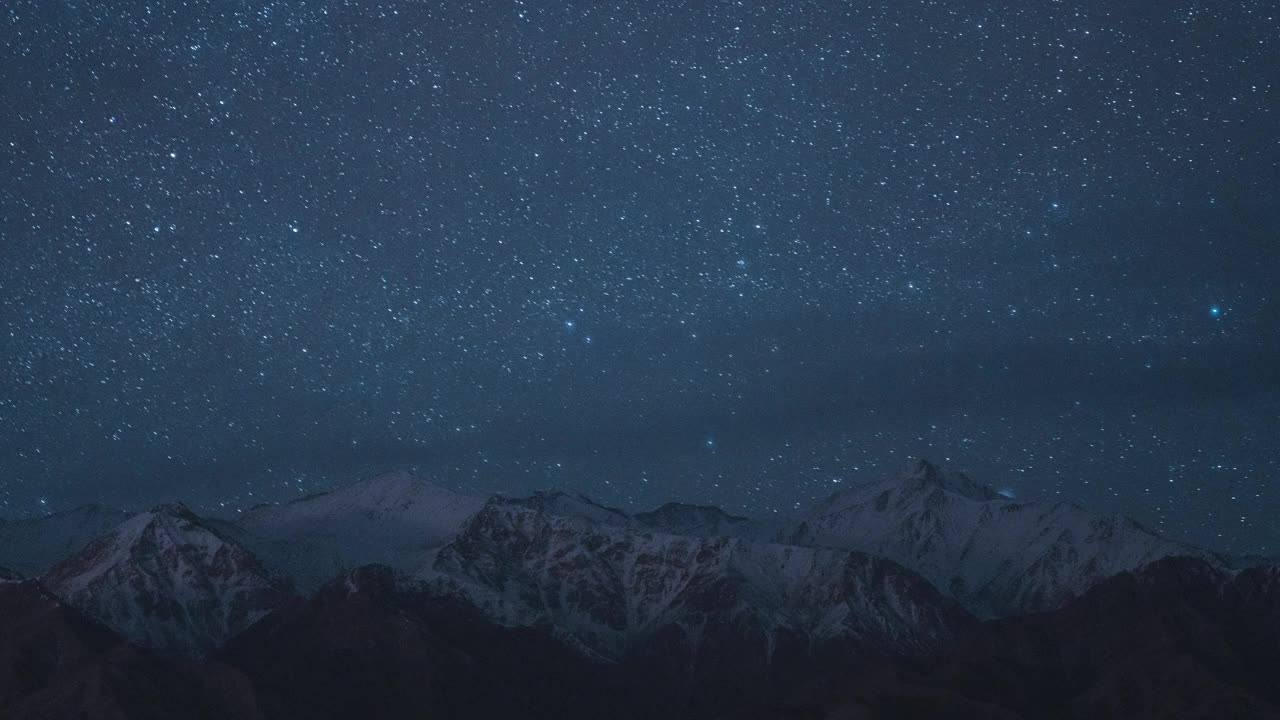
(166, 580)
(610, 589)
(996, 556)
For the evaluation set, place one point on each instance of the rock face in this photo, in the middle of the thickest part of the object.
(996, 556)
(32, 546)
(395, 519)
(611, 590)
(166, 580)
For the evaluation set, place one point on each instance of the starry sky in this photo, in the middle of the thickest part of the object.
(738, 253)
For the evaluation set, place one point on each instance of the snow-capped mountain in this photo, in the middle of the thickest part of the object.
(9, 576)
(33, 545)
(996, 556)
(166, 580)
(396, 519)
(556, 606)
(609, 588)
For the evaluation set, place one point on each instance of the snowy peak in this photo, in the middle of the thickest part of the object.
(929, 475)
(176, 511)
(395, 518)
(609, 589)
(996, 556)
(919, 478)
(388, 494)
(166, 580)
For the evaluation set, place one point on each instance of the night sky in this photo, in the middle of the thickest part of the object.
(739, 253)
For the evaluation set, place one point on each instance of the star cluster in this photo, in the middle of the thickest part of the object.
(726, 252)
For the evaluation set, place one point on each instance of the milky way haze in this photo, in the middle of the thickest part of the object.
(724, 252)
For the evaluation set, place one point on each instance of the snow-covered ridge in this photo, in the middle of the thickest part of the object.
(166, 580)
(672, 518)
(555, 502)
(997, 556)
(395, 518)
(607, 587)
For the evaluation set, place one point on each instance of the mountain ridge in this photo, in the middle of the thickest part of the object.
(683, 610)
(605, 586)
(167, 580)
(998, 556)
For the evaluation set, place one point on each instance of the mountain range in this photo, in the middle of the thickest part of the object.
(923, 594)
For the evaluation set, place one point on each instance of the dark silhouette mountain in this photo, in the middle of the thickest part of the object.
(1180, 638)
(367, 647)
(56, 662)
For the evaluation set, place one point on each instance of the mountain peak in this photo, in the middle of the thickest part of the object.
(996, 556)
(391, 480)
(177, 510)
(608, 588)
(574, 505)
(389, 490)
(394, 517)
(925, 472)
(167, 581)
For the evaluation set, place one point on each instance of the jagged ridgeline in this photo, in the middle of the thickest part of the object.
(924, 592)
